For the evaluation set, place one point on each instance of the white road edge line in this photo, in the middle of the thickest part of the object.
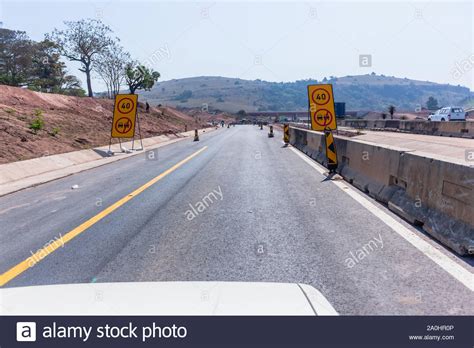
(450, 266)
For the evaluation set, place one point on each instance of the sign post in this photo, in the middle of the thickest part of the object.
(124, 119)
(323, 118)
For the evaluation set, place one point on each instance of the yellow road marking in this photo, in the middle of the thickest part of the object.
(15, 271)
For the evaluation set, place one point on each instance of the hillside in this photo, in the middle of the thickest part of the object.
(72, 123)
(361, 92)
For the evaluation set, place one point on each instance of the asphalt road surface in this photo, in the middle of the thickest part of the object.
(244, 208)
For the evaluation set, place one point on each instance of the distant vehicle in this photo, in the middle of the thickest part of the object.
(449, 113)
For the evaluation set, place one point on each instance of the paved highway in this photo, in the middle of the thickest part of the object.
(235, 206)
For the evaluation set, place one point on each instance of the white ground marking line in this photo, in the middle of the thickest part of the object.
(454, 269)
(14, 207)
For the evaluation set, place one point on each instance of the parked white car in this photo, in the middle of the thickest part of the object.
(449, 113)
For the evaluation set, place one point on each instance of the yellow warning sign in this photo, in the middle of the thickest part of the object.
(286, 133)
(125, 112)
(331, 154)
(321, 107)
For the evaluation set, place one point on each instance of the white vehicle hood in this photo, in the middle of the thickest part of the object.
(165, 298)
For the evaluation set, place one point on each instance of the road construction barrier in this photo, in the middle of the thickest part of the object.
(330, 151)
(434, 194)
(196, 135)
(270, 134)
(286, 133)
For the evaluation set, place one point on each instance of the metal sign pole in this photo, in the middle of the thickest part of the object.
(133, 142)
(139, 131)
(309, 116)
(133, 137)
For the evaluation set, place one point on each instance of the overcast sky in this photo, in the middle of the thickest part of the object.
(274, 41)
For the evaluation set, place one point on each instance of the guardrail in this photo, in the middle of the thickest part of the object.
(433, 194)
(462, 129)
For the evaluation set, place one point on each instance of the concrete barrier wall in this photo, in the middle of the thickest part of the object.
(462, 129)
(435, 195)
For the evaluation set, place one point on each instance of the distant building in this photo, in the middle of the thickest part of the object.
(292, 116)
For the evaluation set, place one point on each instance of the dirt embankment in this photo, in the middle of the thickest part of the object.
(71, 123)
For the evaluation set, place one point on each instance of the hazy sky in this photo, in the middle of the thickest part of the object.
(274, 41)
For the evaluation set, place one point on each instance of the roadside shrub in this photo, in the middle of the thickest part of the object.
(55, 131)
(37, 124)
(75, 92)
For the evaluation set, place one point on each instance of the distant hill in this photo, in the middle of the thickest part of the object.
(360, 92)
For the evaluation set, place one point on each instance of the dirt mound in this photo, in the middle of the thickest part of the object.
(70, 123)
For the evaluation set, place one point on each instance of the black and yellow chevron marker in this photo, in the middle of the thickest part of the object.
(286, 133)
(331, 154)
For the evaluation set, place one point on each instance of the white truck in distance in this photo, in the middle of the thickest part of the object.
(449, 113)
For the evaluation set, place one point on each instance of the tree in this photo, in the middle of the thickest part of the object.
(391, 111)
(184, 95)
(47, 71)
(111, 67)
(83, 41)
(241, 113)
(70, 85)
(37, 65)
(138, 76)
(16, 52)
(432, 103)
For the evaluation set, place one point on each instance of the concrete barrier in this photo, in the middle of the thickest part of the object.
(462, 129)
(433, 194)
